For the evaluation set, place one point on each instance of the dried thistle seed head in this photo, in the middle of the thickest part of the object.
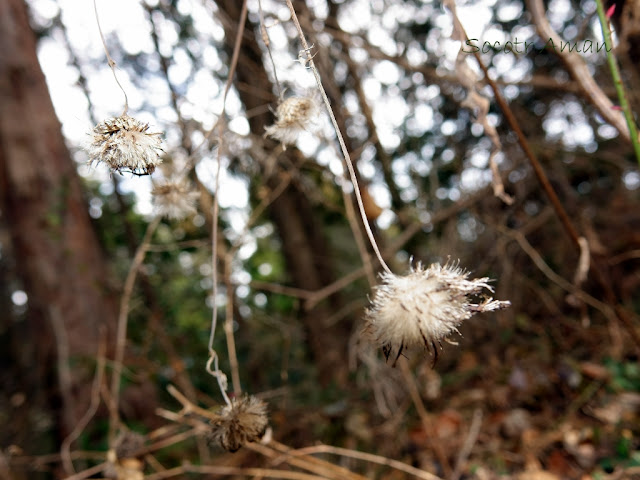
(245, 420)
(424, 307)
(293, 115)
(174, 199)
(128, 443)
(125, 144)
(121, 461)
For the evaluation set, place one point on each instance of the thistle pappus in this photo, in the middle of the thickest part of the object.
(293, 116)
(244, 420)
(423, 307)
(126, 145)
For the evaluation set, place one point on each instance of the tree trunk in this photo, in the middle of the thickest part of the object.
(57, 253)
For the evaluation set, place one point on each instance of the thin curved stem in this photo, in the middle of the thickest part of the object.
(267, 43)
(213, 356)
(112, 63)
(343, 146)
(123, 317)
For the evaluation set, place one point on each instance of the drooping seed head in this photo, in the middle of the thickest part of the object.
(126, 145)
(174, 199)
(245, 420)
(293, 116)
(424, 307)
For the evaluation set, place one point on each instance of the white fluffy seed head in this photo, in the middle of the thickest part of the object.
(174, 199)
(245, 420)
(293, 115)
(424, 307)
(125, 145)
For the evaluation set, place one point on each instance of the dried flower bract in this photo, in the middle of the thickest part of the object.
(424, 307)
(126, 145)
(122, 463)
(174, 199)
(128, 444)
(245, 420)
(293, 115)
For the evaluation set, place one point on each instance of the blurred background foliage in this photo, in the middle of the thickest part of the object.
(543, 373)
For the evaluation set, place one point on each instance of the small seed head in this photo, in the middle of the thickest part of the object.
(424, 307)
(293, 115)
(245, 420)
(174, 199)
(125, 145)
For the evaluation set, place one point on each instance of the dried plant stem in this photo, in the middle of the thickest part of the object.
(112, 63)
(617, 80)
(188, 406)
(212, 363)
(578, 68)
(522, 140)
(315, 297)
(563, 283)
(65, 382)
(228, 259)
(121, 333)
(367, 457)
(267, 43)
(343, 146)
(424, 416)
(88, 472)
(228, 266)
(620, 313)
(220, 470)
(232, 71)
(174, 439)
(279, 453)
(65, 447)
(228, 327)
(284, 290)
(213, 356)
(357, 234)
(465, 451)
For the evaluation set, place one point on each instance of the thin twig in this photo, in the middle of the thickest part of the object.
(189, 406)
(522, 140)
(622, 257)
(579, 70)
(65, 382)
(606, 310)
(213, 356)
(357, 235)
(343, 146)
(279, 453)
(207, 136)
(112, 63)
(367, 457)
(424, 416)
(65, 447)
(267, 43)
(465, 451)
(620, 313)
(88, 472)
(221, 470)
(121, 334)
(228, 259)
(284, 290)
(175, 246)
(228, 327)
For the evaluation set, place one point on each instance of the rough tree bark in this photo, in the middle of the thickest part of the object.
(41, 197)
